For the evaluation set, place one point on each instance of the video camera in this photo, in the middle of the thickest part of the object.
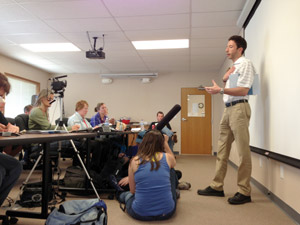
(58, 86)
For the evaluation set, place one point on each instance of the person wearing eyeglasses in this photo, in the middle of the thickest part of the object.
(78, 117)
(39, 118)
(10, 168)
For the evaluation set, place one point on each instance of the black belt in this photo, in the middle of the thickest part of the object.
(235, 102)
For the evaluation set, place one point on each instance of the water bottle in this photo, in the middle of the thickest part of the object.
(142, 125)
(121, 125)
(106, 123)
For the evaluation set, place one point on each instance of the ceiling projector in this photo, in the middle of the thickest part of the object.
(98, 54)
(95, 53)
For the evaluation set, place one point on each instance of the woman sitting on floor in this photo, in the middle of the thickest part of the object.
(152, 193)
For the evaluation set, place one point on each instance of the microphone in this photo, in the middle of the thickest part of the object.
(168, 117)
(60, 77)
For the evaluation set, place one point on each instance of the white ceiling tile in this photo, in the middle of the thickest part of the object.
(67, 9)
(83, 25)
(207, 24)
(4, 41)
(81, 37)
(19, 27)
(208, 43)
(164, 52)
(200, 61)
(215, 19)
(158, 34)
(36, 38)
(70, 56)
(122, 47)
(214, 32)
(208, 51)
(154, 22)
(6, 1)
(217, 5)
(14, 12)
(142, 8)
(22, 1)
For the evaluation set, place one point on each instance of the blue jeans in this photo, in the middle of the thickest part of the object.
(127, 198)
(10, 170)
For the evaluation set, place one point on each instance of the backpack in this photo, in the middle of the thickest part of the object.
(74, 177)
(76, 212)
(32, 195)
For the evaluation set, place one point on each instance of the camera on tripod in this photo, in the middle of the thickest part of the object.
(58, 86)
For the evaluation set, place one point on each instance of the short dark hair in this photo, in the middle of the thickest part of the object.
(159, 112)
(4, 83)
(240, 42)
(27, 108)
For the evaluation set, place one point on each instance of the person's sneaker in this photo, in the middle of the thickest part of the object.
(239, 198)
(184, 185)
(114, 183)
(210, 192)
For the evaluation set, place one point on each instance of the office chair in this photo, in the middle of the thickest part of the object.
(11, 120)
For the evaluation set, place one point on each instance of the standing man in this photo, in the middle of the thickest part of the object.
(235, 122)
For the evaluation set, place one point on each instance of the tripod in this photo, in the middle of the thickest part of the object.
(61, 125)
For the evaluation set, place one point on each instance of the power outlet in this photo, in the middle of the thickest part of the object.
(281, 172)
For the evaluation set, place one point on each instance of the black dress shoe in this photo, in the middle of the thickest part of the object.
(210, 192)
(239, 198)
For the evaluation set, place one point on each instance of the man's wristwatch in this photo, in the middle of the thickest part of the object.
(222, 91)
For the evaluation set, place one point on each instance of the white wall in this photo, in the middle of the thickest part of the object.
(8, 65)
(129, 97)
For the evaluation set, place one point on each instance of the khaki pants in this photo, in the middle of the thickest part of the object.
(234, 127)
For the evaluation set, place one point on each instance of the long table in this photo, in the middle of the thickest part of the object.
(44, 139)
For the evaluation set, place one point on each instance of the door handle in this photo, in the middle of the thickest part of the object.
(184, 119)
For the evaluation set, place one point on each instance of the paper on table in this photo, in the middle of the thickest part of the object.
(136, 129)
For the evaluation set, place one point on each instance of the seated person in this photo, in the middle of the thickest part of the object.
(152, 180)
(166, 130)
(2, 105)
(159, 116)
(27, 109)
(78, 117)
(10, 168)
(101, 115)
(39, 118)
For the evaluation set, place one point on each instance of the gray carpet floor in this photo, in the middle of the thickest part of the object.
(191, 208)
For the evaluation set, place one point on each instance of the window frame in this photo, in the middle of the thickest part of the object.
(37, 84)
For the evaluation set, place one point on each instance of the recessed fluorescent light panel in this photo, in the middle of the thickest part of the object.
(51, 47)
(161, 44)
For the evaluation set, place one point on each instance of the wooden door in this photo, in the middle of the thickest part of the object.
(195, 122)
